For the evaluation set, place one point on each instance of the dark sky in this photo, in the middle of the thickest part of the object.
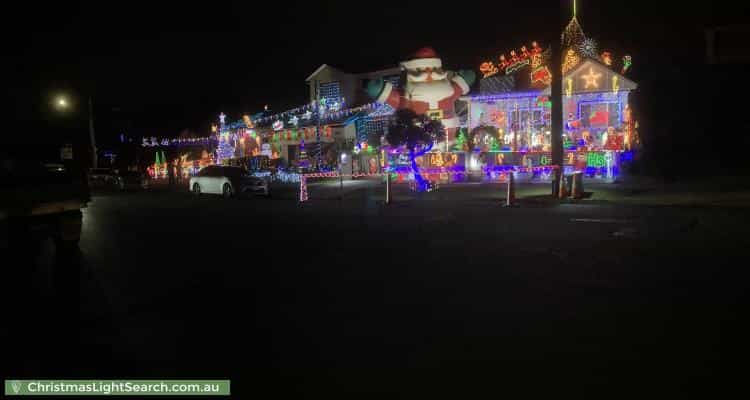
(164, 66)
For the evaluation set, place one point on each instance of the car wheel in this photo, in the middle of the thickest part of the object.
(227, 191)
(196, 189)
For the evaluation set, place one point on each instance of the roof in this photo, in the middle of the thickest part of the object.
(515, 85)
(321, 68)
(625, 83)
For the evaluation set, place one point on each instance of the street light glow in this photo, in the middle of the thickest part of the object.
(61, 103)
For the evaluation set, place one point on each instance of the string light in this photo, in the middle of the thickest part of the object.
(627, 61)
(588, 48)
(591, 79)
(248, 122)
(571, 60)
(573, 34)
(516, 61)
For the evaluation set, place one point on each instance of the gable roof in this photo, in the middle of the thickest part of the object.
(321, 68)
(625, 83)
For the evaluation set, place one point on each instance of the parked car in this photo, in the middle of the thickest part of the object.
(228, 182)
(132, 180)
(102, 176)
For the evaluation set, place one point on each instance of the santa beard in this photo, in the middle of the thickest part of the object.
(429, 92)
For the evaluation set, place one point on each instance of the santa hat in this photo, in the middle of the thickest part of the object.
(423, 58)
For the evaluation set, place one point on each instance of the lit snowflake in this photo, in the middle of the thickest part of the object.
(588, 48)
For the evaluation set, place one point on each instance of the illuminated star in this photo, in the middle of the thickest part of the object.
(591, 79)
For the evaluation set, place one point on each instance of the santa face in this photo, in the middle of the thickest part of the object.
(426, 74)
(428, 85)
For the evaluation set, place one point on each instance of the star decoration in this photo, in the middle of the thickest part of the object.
(307, 115)
(591, 79)
(588, 48)
(294, 120)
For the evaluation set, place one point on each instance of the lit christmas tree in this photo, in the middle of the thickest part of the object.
(225, 150)
(460, 144)
(493, 144)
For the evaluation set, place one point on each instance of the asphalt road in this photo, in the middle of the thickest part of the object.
(443, 295)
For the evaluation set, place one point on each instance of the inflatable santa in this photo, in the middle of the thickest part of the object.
(428, 90)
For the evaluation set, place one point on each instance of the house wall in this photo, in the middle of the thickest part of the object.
(348, 83)
(352, 85)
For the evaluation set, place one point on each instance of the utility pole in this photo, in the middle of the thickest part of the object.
(556, 119)
(92, 137)
(319, 150)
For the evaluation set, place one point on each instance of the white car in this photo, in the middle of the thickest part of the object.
(227, 181)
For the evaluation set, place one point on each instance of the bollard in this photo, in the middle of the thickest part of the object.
(341, 185)
(576, 190)
(302, 189)
(563, 192)
(510, 196)
(387, 188)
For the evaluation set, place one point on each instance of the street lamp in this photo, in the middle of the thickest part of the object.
(62, 104)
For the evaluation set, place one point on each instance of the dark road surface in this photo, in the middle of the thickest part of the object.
(449, 295)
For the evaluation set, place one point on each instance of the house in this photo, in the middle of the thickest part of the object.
(509, 124)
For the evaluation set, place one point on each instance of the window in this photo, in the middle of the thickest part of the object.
(599, 115)
(331, 91)
(393, 79)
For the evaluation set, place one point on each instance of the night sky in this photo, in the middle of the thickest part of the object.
(160, 67)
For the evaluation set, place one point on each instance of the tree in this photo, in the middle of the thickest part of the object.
(461, 141)
(417, 134)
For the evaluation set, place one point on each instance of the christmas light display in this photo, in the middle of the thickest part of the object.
(226, 149)
(517, 61)
(248, 122)
(571, 60)
(541, 75)
(573, 34)
(461, 141)
(154, 142)
(592, 79)
(606, 58)
(588, 48)
(488, 69)
(627, 61)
